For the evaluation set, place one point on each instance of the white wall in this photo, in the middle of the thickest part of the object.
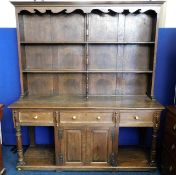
(170, 17)
(7, 14)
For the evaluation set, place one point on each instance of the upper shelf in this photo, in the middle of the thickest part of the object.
(84, 42)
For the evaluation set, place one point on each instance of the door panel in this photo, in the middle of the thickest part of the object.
(99, 143)
(73, 145)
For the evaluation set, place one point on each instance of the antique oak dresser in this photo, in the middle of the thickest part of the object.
(168, 164)
(87, 69)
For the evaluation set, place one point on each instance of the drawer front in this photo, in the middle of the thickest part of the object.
(171, 124)
(86, 117)
(36, 118)
(136, 118)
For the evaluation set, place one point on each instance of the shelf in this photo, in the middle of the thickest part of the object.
(120, 71)
(129, 158)
(83, 42)
(50, 43)
(122, 43)
(84, 71)
(39, 155)
(52, 71)
(133, 157)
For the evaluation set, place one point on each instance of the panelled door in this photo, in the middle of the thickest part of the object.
(99, 145)
(73, 145)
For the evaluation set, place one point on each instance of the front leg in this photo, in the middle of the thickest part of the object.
(18, 140)
(156, 122)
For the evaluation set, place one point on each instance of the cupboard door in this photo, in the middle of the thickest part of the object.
(99, 145)
(73, 145)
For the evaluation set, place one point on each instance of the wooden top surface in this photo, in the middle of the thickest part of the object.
(172, 109)
(88, 2)
(94, 102)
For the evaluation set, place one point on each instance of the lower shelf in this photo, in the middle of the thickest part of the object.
(129, 158)
(39, 156)
(133, 158)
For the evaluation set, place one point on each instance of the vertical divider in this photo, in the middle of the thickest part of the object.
(87, 54)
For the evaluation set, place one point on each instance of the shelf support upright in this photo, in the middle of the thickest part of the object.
(87, 53)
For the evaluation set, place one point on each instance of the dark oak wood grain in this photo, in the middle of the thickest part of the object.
(87, 69)
(168, 160)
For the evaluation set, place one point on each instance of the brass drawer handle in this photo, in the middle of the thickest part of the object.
(35, 117)
(174, 127)
(74, 117)
(171, 168)
(136, 117)
(98, 118)
(173, 147)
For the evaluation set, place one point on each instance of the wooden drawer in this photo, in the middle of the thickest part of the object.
(136, 119)
(86, 117)
(171, 124)
(38, 118)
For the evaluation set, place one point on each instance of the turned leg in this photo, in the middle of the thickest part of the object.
(156, 122)
(19, 146)
(18, 139)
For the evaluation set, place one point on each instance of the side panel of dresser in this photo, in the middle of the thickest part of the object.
(169, 145)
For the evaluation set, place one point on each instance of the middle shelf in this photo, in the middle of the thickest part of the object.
(86, 42)
(84, 71)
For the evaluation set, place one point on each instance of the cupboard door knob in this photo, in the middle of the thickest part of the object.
(173, 147)
(170, 168)
(74, 117)
(174, 127)
(98, 118)
(35, 117)
(136, 117)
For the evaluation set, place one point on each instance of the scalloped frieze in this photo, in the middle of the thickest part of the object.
(87, 9)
